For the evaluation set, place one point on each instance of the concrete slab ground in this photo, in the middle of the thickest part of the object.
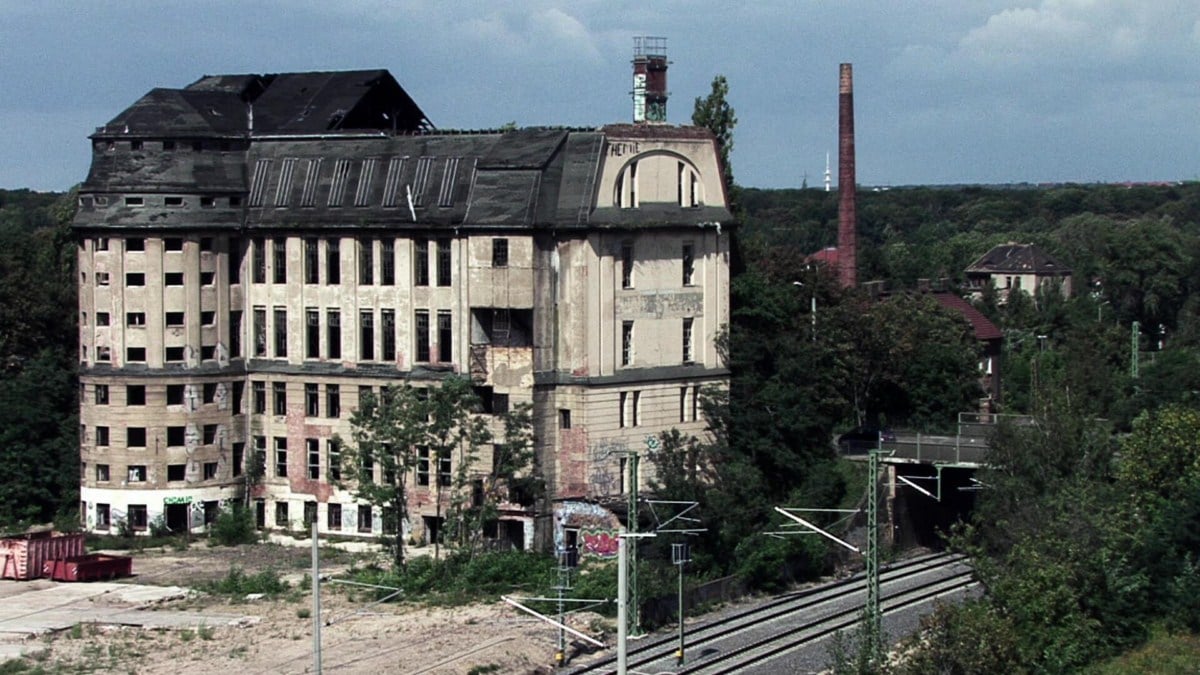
(33, 608)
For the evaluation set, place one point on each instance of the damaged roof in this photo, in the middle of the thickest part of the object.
(351, 149)
(287, 103)
(1017, 259)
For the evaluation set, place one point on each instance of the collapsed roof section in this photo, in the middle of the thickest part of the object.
(288, 103)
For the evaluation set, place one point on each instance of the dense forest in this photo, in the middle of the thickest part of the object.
(39, 436)
(1127, 496)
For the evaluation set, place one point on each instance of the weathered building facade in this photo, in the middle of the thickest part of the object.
(256, 252)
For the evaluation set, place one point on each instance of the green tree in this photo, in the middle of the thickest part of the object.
(478, 494)
(714, 113)
(416, 434)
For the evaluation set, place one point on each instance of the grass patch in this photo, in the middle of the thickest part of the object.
(1165, 653)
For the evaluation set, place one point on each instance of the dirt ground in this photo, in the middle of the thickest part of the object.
(276, 636)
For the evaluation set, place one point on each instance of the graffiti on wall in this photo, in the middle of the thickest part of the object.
(604, 466)
(596, 525)
(599, 543)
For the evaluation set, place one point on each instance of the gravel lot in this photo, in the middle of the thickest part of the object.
(276, 636)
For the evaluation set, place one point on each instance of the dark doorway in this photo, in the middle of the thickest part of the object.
(178, 517)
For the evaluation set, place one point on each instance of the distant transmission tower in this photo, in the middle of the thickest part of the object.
(828, 175)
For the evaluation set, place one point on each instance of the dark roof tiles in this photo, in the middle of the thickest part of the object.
(1017, 258)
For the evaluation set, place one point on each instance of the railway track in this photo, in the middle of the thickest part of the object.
(737, 641)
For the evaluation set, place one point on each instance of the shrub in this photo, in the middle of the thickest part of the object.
(234, 525)
(237, 583)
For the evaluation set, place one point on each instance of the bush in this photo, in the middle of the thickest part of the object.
(461, 578)
(234, 525)
(237, 583)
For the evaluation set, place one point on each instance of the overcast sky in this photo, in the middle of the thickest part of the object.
(946, 91)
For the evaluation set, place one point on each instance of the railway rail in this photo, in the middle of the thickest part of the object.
(740, 640)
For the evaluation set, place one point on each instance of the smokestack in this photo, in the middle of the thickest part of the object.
(847, 217)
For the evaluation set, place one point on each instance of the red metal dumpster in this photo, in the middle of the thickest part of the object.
(24, 556)
(89, 567)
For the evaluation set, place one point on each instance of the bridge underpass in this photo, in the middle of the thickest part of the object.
(929, 478)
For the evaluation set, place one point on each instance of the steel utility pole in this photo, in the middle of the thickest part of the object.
(873, 615)
(679, 556)
(622, 604)
(316, 591)
(635, 615)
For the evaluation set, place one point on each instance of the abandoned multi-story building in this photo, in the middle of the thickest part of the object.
(257, 251)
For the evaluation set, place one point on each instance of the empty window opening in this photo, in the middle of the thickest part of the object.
(279, 247)
(312, 333)
(333, 262)
(422, 335)
(260, 331)
(366, 262)
(688, 356)
(445, 337)
(333, 401)
(387, 262)
(626, 265)
(281, 458)
(334, 451)
(281, 332)
(366, 342)
(313, 448)
(279, 394)
(388, 327)
(443, 262)
(311, 258)
(421, 262)
(500, 252)
(626, 343)
(135, 437)
(312, 400)
(333, 329)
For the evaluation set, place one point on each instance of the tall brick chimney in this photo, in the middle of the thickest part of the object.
(847, 217)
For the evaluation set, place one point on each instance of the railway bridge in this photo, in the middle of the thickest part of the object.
(930, 479)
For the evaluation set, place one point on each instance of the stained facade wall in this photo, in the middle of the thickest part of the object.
(240, 332)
